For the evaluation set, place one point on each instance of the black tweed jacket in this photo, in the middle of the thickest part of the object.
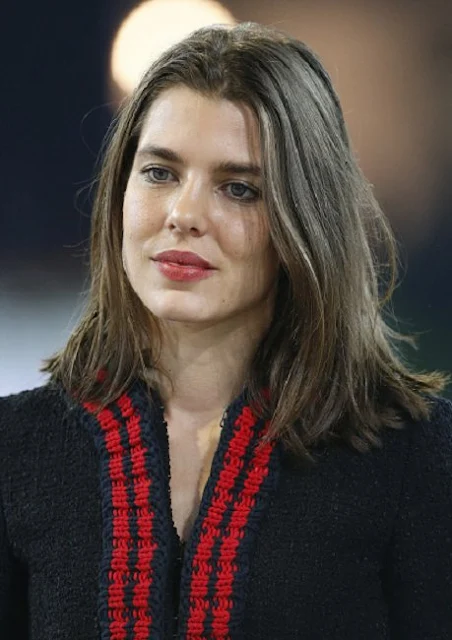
(356, 547)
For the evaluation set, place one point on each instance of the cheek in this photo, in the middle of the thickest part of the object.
(263, 255)
(138, 223)
(249, 239)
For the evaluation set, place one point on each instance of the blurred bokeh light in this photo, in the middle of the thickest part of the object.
(154, 26)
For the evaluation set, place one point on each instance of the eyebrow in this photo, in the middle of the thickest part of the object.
(221, 167)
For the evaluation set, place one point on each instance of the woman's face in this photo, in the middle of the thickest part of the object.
(195, 186)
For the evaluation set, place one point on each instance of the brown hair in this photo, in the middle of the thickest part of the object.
(329, 358)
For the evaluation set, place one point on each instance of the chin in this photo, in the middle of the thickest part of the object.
(173, 311)
(179, 316)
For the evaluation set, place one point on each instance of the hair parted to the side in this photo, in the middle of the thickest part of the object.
(329, 359)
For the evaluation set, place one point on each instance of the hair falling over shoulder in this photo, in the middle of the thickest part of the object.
(330, 359)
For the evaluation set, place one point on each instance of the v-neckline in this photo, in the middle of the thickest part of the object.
(160, 418)
(133, 443)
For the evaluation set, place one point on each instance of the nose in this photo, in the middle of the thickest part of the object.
(188, 209)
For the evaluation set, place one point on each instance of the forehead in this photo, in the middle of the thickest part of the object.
(181, 118)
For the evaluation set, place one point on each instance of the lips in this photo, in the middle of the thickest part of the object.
(186, 258)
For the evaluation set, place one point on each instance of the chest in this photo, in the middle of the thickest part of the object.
(276, 547)
(190, 455)
(318, 541)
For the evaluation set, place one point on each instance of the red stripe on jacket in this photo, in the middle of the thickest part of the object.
(228, 561)
(202, 567)
(119, 573)
(145, 516)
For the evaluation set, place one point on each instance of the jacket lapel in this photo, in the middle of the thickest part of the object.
(139, 537)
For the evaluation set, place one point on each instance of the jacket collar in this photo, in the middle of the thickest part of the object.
(140, 542)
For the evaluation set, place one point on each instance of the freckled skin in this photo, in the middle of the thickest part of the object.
(190, 205)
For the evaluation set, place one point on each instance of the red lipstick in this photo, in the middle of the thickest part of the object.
(183, 265)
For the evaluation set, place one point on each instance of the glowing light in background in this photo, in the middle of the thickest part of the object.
(154, 26)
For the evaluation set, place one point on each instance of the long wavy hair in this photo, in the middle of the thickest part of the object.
(330, 360)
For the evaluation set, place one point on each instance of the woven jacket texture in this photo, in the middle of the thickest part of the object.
(355, 547)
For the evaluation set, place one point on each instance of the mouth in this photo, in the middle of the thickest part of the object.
(188, 265)
(182, 272)
(183, 258)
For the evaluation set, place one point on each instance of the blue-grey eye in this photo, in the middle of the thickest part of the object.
(158, 174)
(242, 191)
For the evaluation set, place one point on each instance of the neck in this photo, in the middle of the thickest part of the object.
(207, 367)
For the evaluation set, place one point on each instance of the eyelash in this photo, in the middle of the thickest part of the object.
(255, 193)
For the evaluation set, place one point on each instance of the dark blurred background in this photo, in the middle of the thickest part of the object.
(390, 61)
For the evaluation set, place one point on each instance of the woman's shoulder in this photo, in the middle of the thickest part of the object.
(422, 439)
(440, 409)
(25, 412)
(423, 447)
(48, 396)
(434, 431)
(418, 446)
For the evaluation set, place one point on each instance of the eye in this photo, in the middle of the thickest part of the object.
(242, 191)
(157, 174)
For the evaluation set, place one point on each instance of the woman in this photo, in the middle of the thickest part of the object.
(229, 445)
